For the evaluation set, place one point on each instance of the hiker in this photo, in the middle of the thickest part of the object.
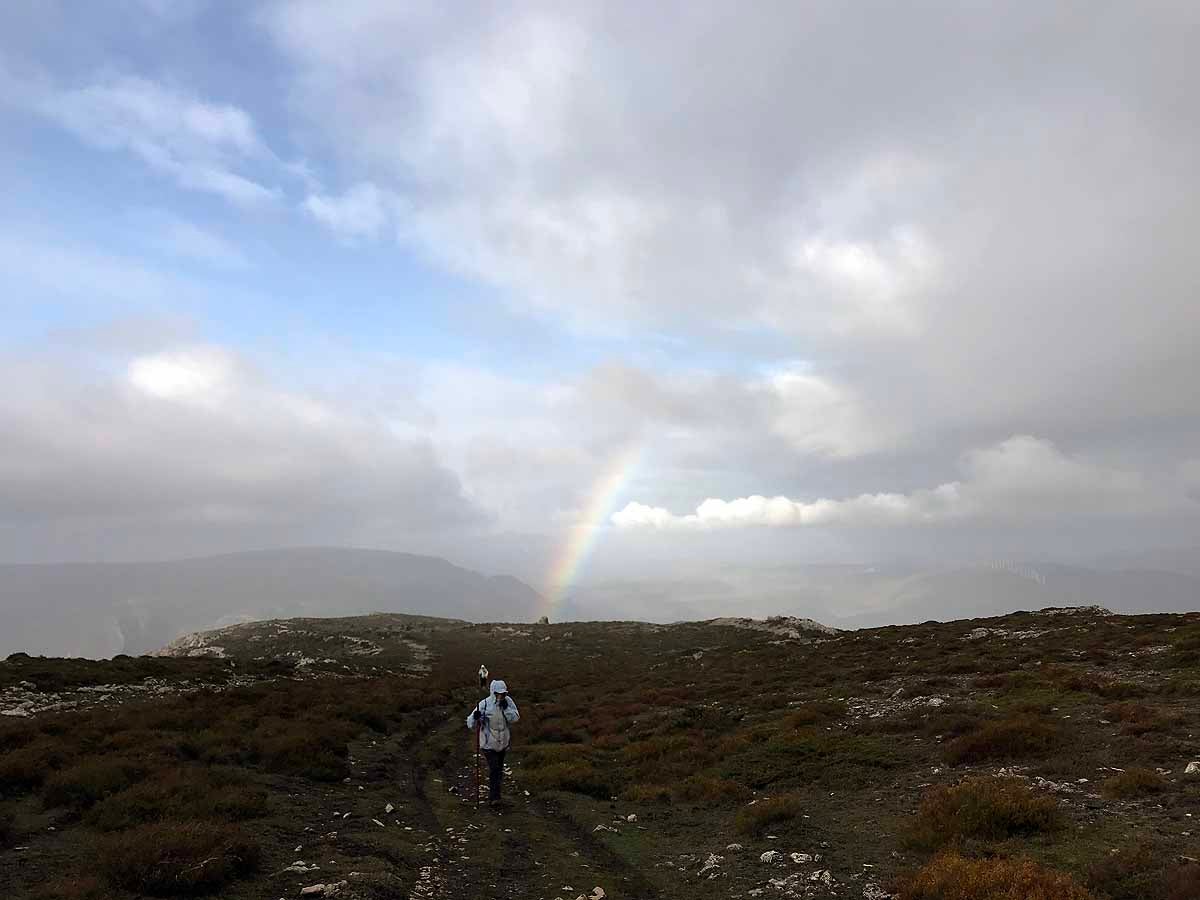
(483, 674)
(492, 716)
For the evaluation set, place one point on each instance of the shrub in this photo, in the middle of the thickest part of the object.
(1144, 871)
(768, 814)
(1091, 683)
(27, 767)
(577, 777)
(1013, 738)
(1183, 882)
(551, 733)
(180, 794)
(88, 888)
(1134, 783)
(816, 712)
(984, 809)
(705, 789)
(951, 877)
(1138, 719)
(86, 783)
(177, 859)
(647, 793)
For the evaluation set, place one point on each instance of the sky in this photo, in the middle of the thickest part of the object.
(594, 288)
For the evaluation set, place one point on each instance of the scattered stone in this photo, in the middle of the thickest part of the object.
(771, 856)
(388, 808)
(872, 891)
(300, 866)
(632, 817)
(733, 848)
(377, 822)
(1193, 768)
(801, 858)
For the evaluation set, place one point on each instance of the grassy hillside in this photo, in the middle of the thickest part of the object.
(1041, 752)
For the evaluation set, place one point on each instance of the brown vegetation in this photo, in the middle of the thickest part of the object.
(770, 814)
(981, 809)
(951, 877)
(1022, 736)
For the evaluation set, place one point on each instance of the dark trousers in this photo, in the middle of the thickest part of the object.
(495, 761)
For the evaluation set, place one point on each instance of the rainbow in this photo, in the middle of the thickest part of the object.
(583, 536)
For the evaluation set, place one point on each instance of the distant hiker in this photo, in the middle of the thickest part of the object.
(483, 674)
(492, 716)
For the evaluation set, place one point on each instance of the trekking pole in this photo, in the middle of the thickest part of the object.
(478, 729)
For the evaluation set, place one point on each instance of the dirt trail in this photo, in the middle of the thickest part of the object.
(525, 849)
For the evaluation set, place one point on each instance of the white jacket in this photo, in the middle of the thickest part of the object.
(495, 733)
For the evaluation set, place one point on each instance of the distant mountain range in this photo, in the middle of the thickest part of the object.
(858, 596)
(101, 609)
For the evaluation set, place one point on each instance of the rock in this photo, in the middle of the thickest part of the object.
(711, 864)
(1193, 768)
(377, 822)
(824, 877)
(388, 808)
(771, 856)
(801, 858)
(632, 817)
(872, 891)
(935, 701)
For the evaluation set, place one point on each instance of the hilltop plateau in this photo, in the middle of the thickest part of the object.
(1053, 752)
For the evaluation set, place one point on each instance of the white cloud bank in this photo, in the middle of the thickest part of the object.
(1021, 477)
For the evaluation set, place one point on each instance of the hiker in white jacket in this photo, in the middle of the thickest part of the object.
(492, 716)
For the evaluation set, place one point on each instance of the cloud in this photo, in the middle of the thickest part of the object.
(194, 436)
(1020, 478)
(363, 211)
(907, 222)
(198, 143)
